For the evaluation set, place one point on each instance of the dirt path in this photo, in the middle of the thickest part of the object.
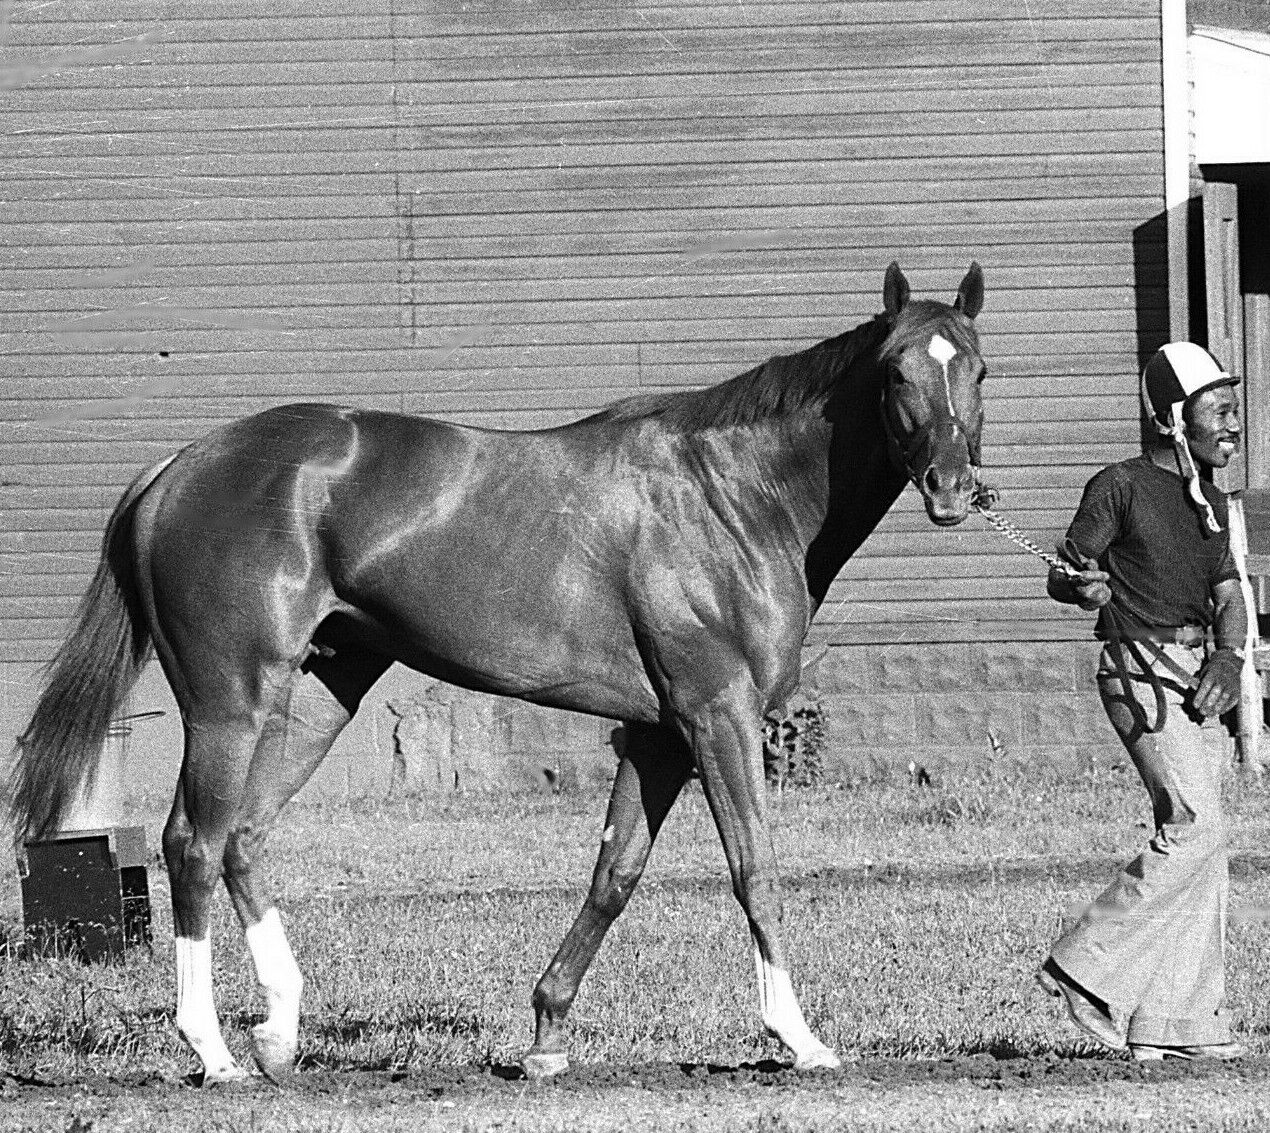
(973, 1091)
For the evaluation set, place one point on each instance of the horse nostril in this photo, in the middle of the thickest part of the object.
(938, 481)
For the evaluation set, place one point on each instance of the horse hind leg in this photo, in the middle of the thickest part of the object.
(650, 775)
(218, 751)
(322, 698)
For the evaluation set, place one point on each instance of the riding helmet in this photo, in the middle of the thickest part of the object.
(1175, 374)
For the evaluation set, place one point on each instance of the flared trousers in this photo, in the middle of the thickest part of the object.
(1152, 945)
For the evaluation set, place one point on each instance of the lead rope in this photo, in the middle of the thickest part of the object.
(1116, 637)
(1016, 536)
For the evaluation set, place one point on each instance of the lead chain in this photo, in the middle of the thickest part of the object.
(1017, 537)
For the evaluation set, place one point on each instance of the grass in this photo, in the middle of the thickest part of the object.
(915, 916)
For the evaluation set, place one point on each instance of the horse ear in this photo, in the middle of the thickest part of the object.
(894, 290)
(969, 299)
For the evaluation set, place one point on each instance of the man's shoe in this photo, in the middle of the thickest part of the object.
(1222, 1052)
(1087, 1011)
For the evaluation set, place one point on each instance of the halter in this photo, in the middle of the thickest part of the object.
(902, 456)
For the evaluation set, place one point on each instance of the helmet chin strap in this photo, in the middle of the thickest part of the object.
(1186, 466)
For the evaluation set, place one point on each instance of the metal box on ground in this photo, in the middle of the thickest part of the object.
(85, 893)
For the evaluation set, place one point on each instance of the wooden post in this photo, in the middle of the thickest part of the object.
(1226, 341)
(1225, 304)
(1250, 710)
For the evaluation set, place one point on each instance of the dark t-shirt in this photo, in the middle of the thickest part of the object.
(1136, 520)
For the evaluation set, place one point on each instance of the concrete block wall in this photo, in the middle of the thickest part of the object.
(948, 704)
(885, 706)
(444, 740)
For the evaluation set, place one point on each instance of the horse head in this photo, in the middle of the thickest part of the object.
(931, 403)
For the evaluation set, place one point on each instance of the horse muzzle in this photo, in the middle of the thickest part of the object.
(948, 490)
(942, 464)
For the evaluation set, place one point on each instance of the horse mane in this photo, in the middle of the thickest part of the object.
(781, 386)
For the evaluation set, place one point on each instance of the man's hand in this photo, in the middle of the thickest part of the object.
(1087, 588)
(1218, 690)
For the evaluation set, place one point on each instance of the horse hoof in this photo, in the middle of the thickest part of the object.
(544, 1064)
(274, 1055)
(224, 1076)
(820, 1059)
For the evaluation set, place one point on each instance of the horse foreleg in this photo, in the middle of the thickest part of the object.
(296, 738)
(724, 736)
(650, 775)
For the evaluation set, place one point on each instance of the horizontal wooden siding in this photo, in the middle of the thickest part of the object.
(509, 213)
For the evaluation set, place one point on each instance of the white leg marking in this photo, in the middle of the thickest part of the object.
(784, 1018)
(196, 1010)
(943, 352)
(277, 972)
(276, 1040)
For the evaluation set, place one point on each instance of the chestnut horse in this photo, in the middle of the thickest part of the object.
(657, 563)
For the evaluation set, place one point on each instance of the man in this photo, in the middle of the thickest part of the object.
(1144, 966)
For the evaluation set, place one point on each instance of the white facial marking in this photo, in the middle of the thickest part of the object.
(943, 352)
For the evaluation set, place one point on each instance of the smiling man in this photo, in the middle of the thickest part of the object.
(1144, 966)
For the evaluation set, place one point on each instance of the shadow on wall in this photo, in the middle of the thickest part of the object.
(1151, 295)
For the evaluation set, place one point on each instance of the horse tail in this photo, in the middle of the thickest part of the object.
(56, 758)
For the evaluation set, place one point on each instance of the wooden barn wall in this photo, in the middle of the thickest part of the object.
(507, 213)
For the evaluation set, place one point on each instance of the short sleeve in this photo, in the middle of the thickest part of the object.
(1098, 518)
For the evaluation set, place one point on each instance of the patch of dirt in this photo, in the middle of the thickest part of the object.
(472, 1082)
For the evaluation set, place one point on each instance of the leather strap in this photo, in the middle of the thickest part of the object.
(1117, 641)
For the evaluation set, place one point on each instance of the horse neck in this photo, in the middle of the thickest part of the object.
(812, 472)
(861, 482)
(818, 479)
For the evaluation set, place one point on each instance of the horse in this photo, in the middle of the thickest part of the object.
(657, 563)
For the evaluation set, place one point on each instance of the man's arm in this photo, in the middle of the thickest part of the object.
(1230, 620)
(1218, 690)
(1092, 531)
